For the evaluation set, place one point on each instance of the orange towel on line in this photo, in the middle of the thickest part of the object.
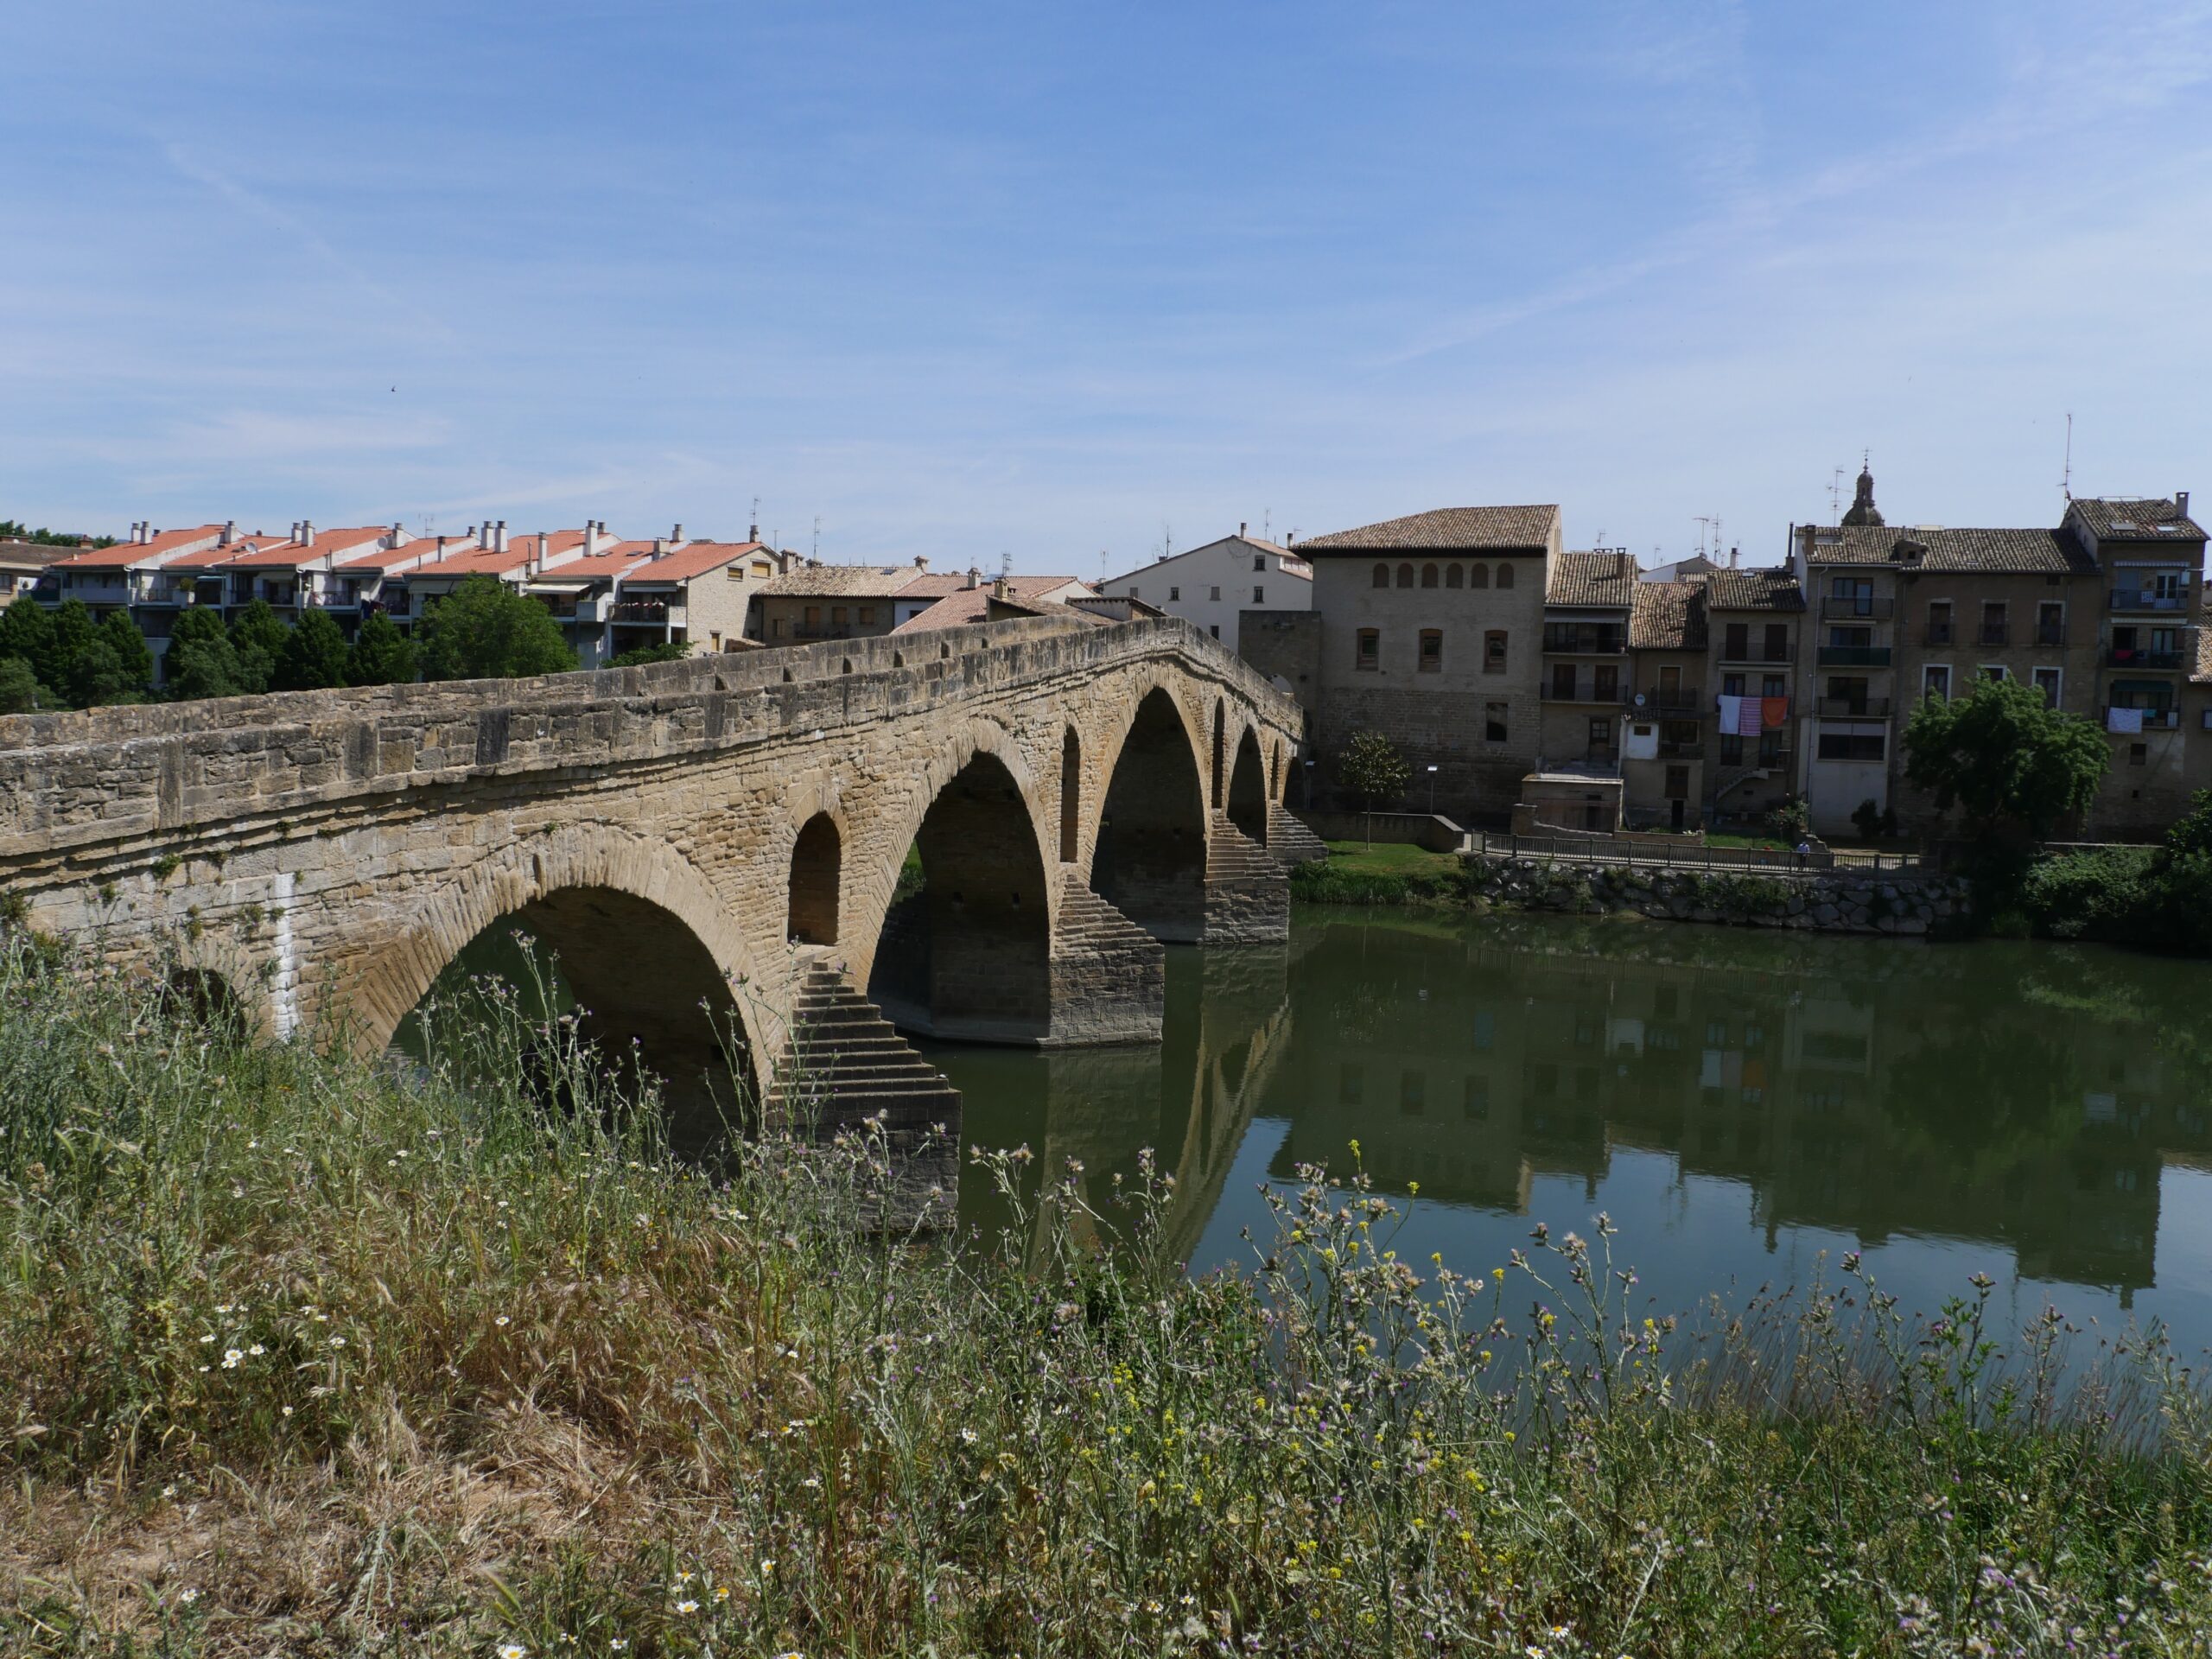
(1774, 714)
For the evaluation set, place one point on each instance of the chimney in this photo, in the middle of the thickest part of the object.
(2181, 504)
(230, 532)
(307, 532)
(660, 546)
(921, 562)
(442, 550)
(1001, 588)
(1240, 530)
(752, 533)
(975, 579)
(503, 534)
(399, 531)
(675, 537)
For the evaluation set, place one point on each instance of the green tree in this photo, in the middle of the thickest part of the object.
(201, 661)
(673, 651)
(2016, 765)
(484, 631)
(27, 631)
(132, 654)
(257, 634)
(1373, 771)
(73, 632)
(99, 675)
(382, 655)
(14, 530)
(19, 691)
(312, 656)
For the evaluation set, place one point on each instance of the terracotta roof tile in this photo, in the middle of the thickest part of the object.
(844, 581)
(1592, 579)
(328, 543)
(1990, 552)
(696, 559)
(1445, 529)
(124, 555)
(1667, 616)
(2155, 520)
(1767, 588)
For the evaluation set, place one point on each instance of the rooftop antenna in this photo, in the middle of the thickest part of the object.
(817, 555)
(1101, 567)
(2066, 482)
(1705, 521)
(1267, 523)
(1835, 496)
(1006, 562)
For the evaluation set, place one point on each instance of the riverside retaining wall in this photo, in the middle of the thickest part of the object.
(1827, 901)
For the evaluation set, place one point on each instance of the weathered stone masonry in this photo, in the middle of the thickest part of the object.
(326, 853)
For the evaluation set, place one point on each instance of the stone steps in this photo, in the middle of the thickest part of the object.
(1288, 839)
(846, 1062)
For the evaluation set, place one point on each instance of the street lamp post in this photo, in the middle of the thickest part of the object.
(1432, 792)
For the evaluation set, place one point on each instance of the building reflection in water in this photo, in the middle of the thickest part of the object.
(2027, 1096)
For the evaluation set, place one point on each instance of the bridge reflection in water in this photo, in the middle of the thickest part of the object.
(1738, 1102)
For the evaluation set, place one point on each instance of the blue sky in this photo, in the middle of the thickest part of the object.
(1045, 280)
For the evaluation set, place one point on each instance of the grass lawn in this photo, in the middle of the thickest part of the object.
(1398, 857)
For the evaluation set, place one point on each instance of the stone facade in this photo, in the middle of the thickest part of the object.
(325, 855)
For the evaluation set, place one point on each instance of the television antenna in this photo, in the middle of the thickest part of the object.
(1835, 496)
(2066, 480)
(817, 555)
(1006, 562)
(1705, 522)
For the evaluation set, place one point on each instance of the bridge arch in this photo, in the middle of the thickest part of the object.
(816, 867)
(1247, 789)
(648, 946)
(968, 955)
(1149, 861)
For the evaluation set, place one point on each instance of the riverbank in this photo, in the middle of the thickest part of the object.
(305, 1360)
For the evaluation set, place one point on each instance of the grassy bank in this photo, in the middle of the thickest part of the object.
(1383, 873)
(302, 1358)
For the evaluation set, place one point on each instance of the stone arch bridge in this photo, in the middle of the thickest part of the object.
(721, 840)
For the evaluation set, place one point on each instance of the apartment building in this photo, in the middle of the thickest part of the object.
(1664, 751)
(1585, 692)
(1755, 631)
(861, 602)
(1211, 586)
(1427, 629)
(21, 563)
(694, 593)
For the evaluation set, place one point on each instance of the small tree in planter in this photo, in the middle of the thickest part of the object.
(1374, 772)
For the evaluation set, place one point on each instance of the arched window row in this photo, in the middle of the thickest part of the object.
(1449, 576)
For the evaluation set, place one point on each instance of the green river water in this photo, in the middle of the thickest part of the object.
(1738, 1102)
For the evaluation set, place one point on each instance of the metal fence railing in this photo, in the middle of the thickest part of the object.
(1661, 851)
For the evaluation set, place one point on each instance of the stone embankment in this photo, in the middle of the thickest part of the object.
(1827, 901)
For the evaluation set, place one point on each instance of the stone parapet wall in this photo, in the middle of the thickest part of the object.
(1818, 900)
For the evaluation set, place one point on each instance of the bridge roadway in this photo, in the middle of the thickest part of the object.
(711, 847)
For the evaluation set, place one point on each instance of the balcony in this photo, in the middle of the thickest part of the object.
(1689, 699)
(647, 613)
(1993, 633)
(1574, 641)
(1851, 708)
(1586, 690)
(397, 602)
(98, 592)
(1854, 656)
(2154, 720)
(2119, 657)
(168, 595)
(2150, 599)
(1866, 610)
(2050, 634)
(1760, 653)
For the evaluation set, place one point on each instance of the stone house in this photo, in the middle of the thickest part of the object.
(21, 563)
(1430, 634)
(861, 602)
(1584, 691)
(1211, 586)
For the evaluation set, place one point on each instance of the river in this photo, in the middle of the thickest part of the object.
(1738, 1102)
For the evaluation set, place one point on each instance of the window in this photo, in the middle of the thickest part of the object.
(1474, 1099)
(2051, 623)
(1505, 576)
(1405, 575)
(1936, 682)
(1731, 749)
(1563, 682)
(713, 641)
(1731, 685)
(1851, 746)
(1259, 562)
(1606, 683)
(1493, 722)
(2047, 683)
(1773, 685)
(1494, 651)
(1939, 622)
(1381, 575)
(736, 573)
(1778, 642)
(1133, 590)
(1769, 747)
(867, 615)
(1413, 1093)
(1478, 576)
(814, 616)
(836, 616)
(1737, 642)
(1991, 670)
(1601, 737)
(1428, 576)
(2138, 754)
(1214, 628)
(1432, 650)
(1454, 576)
(1174, 593)
(1214, 593)
(1259, 594)
(1371, 649)
(1992, 622)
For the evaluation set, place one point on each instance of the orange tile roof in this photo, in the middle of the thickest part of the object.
(390, 558)
(693, 559)
(326, 544)
(124, 555)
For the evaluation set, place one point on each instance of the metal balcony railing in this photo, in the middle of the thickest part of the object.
(1686, 697)
(2119, 657)
(1992, 633)
(2149, 599)
(2154, 720)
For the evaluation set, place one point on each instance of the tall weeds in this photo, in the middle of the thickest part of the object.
(306, 1355)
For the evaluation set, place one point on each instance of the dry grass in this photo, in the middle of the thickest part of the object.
(305, 1359)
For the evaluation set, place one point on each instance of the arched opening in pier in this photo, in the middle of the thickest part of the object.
(1248, 791)
(1070, 797)
(1150, 863)
(600, 979)
(205, 998)
(965, 953)
(817, 858)
(1214, 799)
